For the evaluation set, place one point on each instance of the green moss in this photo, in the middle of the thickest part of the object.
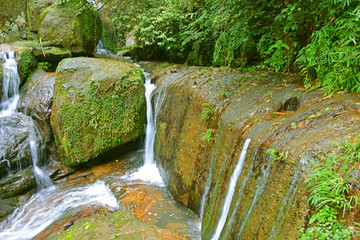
(105, 115)
(28, 64)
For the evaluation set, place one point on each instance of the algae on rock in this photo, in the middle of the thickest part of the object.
(98, 105)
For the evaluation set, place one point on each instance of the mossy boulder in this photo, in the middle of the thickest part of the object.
(73, 25)
(98, 105)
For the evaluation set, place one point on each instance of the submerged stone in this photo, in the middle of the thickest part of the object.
(98, 105)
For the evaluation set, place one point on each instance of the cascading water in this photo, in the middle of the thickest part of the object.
(9, 100)
(48, 205)
(149, 171)
(231, 190)
(11, 82)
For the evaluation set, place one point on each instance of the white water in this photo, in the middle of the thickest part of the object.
(9, 101)
(231, 190)
(100, 49)
(48, 205)
(149, 171)
(11, 82)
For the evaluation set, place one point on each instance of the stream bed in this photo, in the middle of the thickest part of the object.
(102, 193)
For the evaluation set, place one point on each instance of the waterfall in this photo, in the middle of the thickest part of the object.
(48, 205)
(11, 82)
(231, 190)
(9, 100)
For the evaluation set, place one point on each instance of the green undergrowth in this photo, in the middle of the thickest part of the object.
(318, 38)
(332, 184)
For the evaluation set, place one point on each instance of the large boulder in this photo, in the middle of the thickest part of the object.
(74, 25)
(98, 105)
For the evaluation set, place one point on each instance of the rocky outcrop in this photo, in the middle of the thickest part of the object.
(73, 25)
(98, 105)
(207, 115)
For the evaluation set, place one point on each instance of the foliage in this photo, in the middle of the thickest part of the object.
(326, 226)
(330, 184)
(334, 52)
(320, 35)
(276, 155)
(207, 111)
(207, 136)
(28, 63)
(44, 65)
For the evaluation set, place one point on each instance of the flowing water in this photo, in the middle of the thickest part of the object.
(49, 204)
(9, 101)
(231, 190)
(52, 203)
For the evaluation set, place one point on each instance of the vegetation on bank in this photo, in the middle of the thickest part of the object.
(319, 36)
(333, 184)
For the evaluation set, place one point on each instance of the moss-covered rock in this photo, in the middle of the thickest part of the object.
(98, 105)
(26, 62)
(74, 25)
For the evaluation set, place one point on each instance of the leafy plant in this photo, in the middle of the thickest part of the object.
(207, 136)
(276, 155)
(207, 111)
(326, 226)
(330, 183)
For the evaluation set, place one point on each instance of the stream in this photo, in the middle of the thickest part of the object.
(129, 183)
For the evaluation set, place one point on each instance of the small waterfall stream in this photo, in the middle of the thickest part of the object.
(231, 189)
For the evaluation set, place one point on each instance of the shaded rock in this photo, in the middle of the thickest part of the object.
(98, 105)
(7, 206)
(36, 98)
(73, 25)
(17, 184)
(37, 7)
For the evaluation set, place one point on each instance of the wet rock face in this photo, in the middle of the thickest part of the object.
(98, 105)
(206, 117)
(17, 184)
(14, 141)
(73, 25)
